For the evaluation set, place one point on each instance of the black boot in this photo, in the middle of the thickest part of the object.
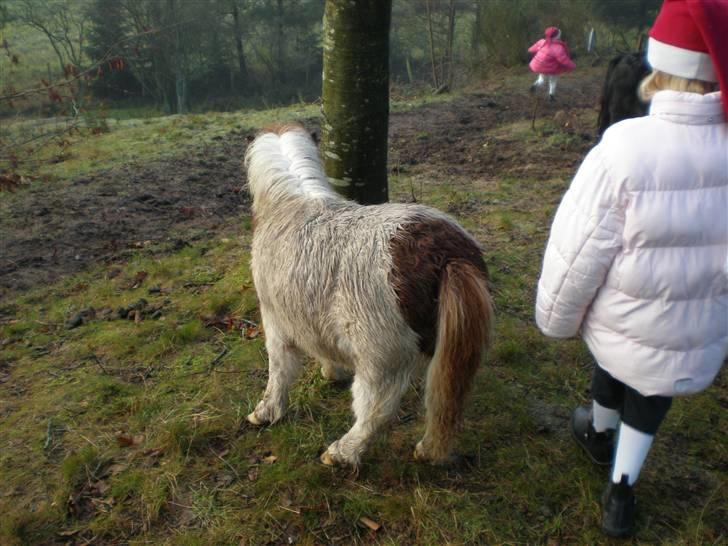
(599, 446)
(618, 509)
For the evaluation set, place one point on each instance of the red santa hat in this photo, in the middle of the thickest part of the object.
(690, 39)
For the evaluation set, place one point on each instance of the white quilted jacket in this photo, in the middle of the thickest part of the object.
(638, 252)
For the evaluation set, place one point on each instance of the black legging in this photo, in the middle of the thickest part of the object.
(643, 413)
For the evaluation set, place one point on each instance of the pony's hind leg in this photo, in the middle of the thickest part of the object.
(376, 398)
(284, 367)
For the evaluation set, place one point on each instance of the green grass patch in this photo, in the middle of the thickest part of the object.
(126, 430)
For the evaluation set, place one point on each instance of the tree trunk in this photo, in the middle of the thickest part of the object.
(642, 17)
(180, 62)
(431, 40)
(180, 88)
(477, 38)
(356, 97)
(450, 39)
(242, 65)
(281, 76)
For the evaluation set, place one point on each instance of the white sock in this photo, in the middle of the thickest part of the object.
(604, 418)
(632, 449)
(552, 85)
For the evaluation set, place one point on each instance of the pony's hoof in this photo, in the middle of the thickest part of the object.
(340, 464)
(254, 420)
(422, 455)
(419, 453)
(334, 457)
(327, 459)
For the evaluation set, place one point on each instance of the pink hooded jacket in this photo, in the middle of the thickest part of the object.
(552, 55)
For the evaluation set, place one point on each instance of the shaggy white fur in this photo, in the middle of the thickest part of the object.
(322, 270)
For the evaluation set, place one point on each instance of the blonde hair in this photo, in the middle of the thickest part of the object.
(660, 81)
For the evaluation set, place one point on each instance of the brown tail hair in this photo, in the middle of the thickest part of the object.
(465, 330)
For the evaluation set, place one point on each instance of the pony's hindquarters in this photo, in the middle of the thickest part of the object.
(464, 333)
(377, 290)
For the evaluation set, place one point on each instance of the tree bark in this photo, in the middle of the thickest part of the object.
(242, 65)
(180, 60)
(356, 97)
(281, 75)
(431, 41)
(450, 40)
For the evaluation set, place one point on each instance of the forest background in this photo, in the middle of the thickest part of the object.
(175, 56)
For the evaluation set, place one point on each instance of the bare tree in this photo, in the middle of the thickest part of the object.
(448, 62)
(441, 38)
(238, 36)
(65, 27)
(159, 52)
(431, 42)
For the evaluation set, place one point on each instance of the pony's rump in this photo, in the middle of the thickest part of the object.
(440, 279)
(421, 250)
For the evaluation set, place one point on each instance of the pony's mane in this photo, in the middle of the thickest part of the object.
(284, 162)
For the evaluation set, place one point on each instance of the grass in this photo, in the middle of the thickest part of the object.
(138, 139)
(133, 432)
(147, 137)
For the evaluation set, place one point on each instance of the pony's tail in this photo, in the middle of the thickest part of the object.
(465, 330)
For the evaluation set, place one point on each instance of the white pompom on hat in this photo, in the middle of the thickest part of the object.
(690, 39)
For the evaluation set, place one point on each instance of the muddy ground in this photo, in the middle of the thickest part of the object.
(52, 230)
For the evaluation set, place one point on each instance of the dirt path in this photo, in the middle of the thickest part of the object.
(454, 136)
(54, 230)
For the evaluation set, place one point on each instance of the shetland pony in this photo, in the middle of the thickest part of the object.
(377, 292)
(620, 92)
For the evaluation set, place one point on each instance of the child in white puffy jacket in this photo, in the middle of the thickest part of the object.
(637, 259)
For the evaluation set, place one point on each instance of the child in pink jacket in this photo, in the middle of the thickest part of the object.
(551, 60)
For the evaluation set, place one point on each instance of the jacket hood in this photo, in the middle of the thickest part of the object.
(551, 32)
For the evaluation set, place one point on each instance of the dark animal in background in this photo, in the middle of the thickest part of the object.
(620, 99)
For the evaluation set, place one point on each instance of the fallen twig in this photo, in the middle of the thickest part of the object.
(536, 104)
(217, 359)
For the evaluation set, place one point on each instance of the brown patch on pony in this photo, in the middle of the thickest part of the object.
(280, 128)
(420, 252)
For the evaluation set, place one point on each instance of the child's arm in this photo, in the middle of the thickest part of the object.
(562, 55)
(585, 238)
(535, 47)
